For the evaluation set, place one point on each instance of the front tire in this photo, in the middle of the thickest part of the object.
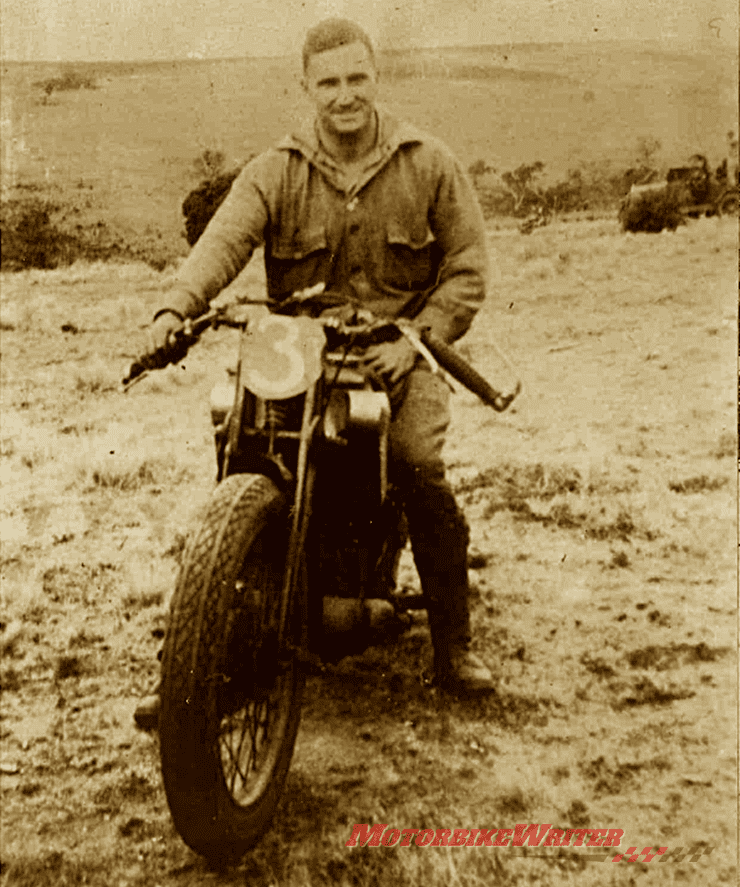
(231, 698)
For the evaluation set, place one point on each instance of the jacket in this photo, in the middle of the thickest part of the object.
(408, 240)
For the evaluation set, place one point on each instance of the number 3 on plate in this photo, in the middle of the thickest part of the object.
(281, 356)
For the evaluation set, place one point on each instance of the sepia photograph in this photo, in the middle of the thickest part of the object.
(369, 443)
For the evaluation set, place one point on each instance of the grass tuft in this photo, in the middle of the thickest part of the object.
(91, 385)
(23, 600)
(726, 446)
(55, 868)
(700, 484)
(536, 481)
(141, 600)
(125, 480)
(619, 560)
(82, 639)
(11, 680)
(10, 639)
(132, 787)
(68, 667)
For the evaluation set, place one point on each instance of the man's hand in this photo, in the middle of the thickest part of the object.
(391, 360)
(161, 329)
(160, 346)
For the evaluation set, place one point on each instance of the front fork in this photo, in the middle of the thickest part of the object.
(294, 577)
(229, 425)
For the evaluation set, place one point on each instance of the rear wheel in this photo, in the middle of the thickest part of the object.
(231, 697)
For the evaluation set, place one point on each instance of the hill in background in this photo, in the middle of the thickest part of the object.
(131, 142)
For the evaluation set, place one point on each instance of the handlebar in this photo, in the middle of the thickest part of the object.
(354, 324)
(179, 343)
(307, 302)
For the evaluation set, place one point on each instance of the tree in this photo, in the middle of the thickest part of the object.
(478, 169)
(520, 183)
(48, 88)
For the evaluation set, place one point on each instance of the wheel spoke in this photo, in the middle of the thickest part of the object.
(257, 723)
(248, 721)
(253, 727)
(235, 766)
(245, 735)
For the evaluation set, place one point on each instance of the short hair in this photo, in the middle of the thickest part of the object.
(331, 33)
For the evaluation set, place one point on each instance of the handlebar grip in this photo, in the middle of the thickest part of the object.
(176, 349)
(134, 371)
(460, 369)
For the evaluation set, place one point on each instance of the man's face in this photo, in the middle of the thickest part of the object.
(342, 83)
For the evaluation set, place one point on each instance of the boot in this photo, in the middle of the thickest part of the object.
(467, 673)
(456, 669)
(439, 540)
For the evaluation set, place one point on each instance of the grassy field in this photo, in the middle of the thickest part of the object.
(124, 152)
(602, 506)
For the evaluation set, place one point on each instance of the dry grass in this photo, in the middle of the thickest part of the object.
(603, 598)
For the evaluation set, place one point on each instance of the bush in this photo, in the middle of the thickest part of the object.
(591, 186)
(69, 81)
(203, 201)
(209, 164)
(45, 231)
(29, 238)
(568, 195)
(519, 192)
(653, 211)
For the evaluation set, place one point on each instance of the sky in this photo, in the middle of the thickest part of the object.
(118, 30)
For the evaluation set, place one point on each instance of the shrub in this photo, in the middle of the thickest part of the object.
(29, 237)
(519, 192)
(568, 195)
(593, 185)
(70, 80)
(48, 231)
(203, 201)
(653, 211)
(209, 164)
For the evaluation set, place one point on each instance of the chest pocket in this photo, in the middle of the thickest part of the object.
(298, 261)
(411, 256)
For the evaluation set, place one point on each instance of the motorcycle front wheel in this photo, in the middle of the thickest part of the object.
(231, 692)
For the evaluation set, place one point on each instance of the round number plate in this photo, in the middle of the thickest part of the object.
(281, 356)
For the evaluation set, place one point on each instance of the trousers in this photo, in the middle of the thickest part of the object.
(439, 533)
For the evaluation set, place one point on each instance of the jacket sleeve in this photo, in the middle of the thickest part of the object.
(457, 223)
(235, 231)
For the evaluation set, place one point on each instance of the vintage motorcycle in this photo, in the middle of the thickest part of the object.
(294, 562)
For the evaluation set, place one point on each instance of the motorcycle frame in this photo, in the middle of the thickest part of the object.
(243, 443)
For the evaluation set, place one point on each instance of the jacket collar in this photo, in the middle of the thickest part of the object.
(392, 134)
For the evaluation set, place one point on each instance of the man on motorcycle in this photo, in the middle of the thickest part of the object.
(376, 209)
